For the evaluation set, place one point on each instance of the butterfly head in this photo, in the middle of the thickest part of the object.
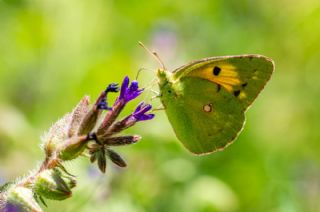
(165, 77)
(169, 88)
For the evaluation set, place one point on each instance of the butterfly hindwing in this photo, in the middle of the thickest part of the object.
(204, 119)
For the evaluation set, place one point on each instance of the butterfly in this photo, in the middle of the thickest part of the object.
(206, 100)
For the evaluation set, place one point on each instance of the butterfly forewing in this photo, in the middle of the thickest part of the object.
(242, 76)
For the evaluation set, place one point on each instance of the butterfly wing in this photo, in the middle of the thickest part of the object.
(205, 100)
(243, 76)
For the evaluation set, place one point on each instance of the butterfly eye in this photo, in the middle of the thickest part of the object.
(169, 91)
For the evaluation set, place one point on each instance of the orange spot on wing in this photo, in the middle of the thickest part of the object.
(227, 77)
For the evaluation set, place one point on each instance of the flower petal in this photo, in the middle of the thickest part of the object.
(138, 107)
(134, 85)
(146, 117)
(124, 87)
(140, 112)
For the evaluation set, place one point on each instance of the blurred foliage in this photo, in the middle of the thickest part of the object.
(54, 52)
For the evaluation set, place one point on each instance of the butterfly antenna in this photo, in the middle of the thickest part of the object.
(154, 54)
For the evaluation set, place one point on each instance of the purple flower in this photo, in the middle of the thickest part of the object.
(103, 105)
(140, 112)
(9, 207)
(113, 87)
(102, 100)
(127, 92)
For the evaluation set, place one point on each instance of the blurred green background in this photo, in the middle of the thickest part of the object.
(54, 52)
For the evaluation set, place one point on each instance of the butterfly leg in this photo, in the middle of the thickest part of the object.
(161, 107)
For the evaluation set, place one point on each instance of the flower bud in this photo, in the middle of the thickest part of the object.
(64, 128)
(119, 141)
(116, 158)
(102, 161)
(19, 197)
(52, 185)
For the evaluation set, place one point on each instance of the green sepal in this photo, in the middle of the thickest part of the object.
(89, 121)
(39, 199)
(73, 147)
